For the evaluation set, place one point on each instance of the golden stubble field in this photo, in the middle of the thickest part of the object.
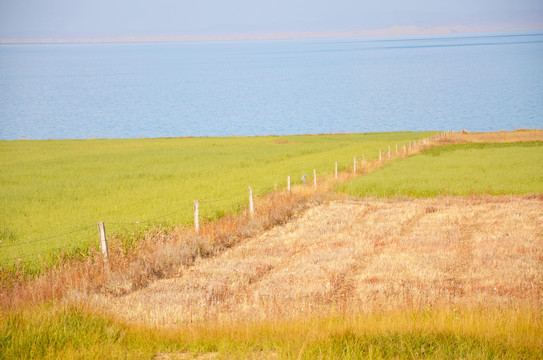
(360, 256)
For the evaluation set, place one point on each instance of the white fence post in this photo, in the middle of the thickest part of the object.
(354, 165)
(379, 155)
(336, 169)
(103, 240)
(315, 178)
(196, 217)
(288, 184)
(251, 206)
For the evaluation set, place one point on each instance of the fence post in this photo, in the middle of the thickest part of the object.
(396, 149)
(404, 148)
(251, 207)
(103, 240)
(336, 169)
(288, 184)
(363, 160)
(354, 165)
(389, 152)
(196, 217)
(379, 155)
(315, 178)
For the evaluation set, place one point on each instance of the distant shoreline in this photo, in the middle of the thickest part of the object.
(269, 135)
(392, 31)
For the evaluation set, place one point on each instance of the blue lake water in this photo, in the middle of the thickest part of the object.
(481, 82)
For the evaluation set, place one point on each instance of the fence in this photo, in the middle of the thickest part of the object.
(237, 200)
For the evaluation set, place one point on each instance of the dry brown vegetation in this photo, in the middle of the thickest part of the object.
(317, 273)
(495, 137)
(158, 254)
(361, 256)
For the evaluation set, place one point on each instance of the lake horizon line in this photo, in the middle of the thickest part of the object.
(394, 31)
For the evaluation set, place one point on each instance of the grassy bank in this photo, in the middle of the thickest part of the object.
(58, 187)
(459, 169)
(53, 332)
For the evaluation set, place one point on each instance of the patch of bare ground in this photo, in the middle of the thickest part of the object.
(360, 256)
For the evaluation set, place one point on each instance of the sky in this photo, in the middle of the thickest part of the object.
(79, 19)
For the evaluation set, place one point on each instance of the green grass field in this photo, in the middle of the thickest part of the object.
(56, 187)
(507, 168)
(56, 332)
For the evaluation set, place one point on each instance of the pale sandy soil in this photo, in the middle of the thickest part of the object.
(360, 256)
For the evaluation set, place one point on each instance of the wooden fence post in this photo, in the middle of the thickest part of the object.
(315, 178)
(288, 184)
(251, 207)
(363, 160)
(404, 149)
(336, 169)
(103, 240)
(196, 217)
(396, 149)
(389, 152)
(354, 165)
(379, 155)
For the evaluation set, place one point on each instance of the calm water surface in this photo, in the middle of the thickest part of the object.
(478, 82)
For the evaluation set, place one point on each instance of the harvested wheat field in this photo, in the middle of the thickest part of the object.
(361, 256)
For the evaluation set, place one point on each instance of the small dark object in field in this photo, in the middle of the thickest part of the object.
(430, 209)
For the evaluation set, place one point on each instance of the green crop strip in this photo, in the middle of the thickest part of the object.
(465, 169)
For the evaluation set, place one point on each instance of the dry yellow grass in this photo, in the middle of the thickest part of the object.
(493, 137)
(360, 256)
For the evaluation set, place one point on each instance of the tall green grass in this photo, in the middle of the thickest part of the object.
(464, 169)
(57, 332)
(56, 187)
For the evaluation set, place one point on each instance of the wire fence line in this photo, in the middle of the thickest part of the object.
(150, 220)
(236, 196)
(51, 250)
(47, 238)
(239, 196)
(215, 204)
(177, 212)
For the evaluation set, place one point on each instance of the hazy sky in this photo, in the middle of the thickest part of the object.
(110, 18)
